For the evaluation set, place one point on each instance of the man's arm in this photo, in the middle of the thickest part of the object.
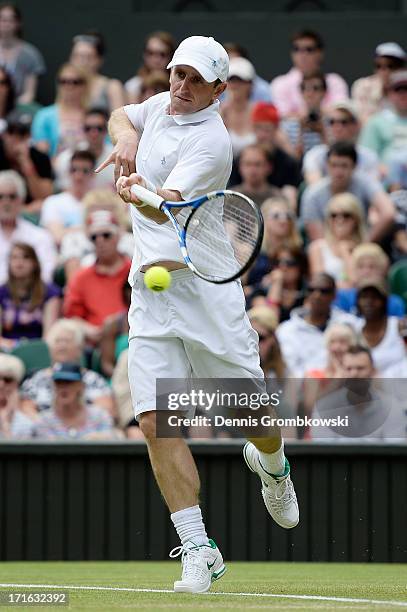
(125, 138)
(384, 209)
(123, 189)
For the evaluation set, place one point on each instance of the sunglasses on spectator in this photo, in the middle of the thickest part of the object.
(304, 49)
(341, 215)
(380, 65)
(333, 121)
(63, 81)
(105, 236)
(281, 216)
(399, 88)
(97, 128)
(321, 290)
(8, 196)
(285, 261)
(152, 52)
(7, 379)
(76, 169)
(312, 87)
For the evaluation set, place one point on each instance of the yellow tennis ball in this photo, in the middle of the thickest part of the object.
(157, 278)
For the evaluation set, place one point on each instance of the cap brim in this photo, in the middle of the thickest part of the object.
(66, 377)
(204, 71)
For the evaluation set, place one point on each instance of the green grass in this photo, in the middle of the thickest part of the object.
(361, 581)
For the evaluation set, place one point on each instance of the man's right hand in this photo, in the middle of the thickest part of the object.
(123, 156)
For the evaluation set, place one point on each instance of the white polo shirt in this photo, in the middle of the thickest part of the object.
(191, 154)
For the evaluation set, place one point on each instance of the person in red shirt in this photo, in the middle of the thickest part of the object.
(95, 292)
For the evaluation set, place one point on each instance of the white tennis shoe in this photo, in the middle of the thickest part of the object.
(201, 565)
(277, 491)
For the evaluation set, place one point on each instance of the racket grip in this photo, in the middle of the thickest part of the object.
(149, 197)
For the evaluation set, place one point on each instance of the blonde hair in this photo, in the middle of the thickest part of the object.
(66, 325)
(12, 366)
(349, 203)
(82, 75)
(340, 329)
(293, 240)
(104, 199)
(11, 176)
(373, 250)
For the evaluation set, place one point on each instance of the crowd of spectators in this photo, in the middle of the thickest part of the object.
(325, 161)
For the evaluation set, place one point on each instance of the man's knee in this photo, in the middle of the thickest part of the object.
(148, 425)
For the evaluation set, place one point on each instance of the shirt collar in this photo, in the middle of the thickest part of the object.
(202, 115)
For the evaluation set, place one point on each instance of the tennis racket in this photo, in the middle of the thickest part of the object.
(219, 234)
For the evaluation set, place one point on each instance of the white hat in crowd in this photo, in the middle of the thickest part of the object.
(390, 49)
(241, 67)
(204, 54)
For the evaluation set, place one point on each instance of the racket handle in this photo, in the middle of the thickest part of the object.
(149, 197)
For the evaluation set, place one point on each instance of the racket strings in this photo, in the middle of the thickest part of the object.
(222, 236)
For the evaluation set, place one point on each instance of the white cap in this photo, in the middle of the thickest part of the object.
(242, 68)
(348, 106)
(204, 54)
(390, 49)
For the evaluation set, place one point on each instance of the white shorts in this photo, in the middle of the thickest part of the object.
(195, 328)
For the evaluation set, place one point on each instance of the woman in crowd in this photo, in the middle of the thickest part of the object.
(60, 126)
(154, 83)
(280, 231)
(28, 306)
(88, 52)
(158, 50)
(339, 337)
(343, 231)
(65, 341)
(14, 424)
(21, 59)
(236, 111)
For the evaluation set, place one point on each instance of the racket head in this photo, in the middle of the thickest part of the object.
(239, 226)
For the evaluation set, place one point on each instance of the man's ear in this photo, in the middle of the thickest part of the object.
(219, 89)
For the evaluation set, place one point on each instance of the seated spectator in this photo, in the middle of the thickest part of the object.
(66, 344)
(70, 417)
(380, 332)
(121, 390)
(339, 337)
(236, 110)
(24, 62)
(343, 230)
(399, 238)
(87, 53)
(342, 159)
(264, 322)
(260, 91)
(14, 423)
(60, 126)
(7, 98)
(385, 132)
(254, 168)
(95, 292)
(307, 54)
(95, 131)
(63, 212)
(370, 93)
(115, 335)
(307, 130)
(28, 306)
(343, 125)
(13, 228)
(368, 262)
(279, 231)
(302, 336)
(154, 83)
(77, 250)
(158, 50)
(17, 153)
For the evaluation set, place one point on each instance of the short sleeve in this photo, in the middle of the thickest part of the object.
(50, 211)
(137, 113)
(52, 291)
(314, 160)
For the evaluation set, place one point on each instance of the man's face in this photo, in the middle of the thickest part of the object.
(306, 56)
(371, 304)
(357, 366)
(81, 173)
(398, 97)
(10, 202)
(313, 92)
(265, 132)
(340, 170)
(105, 242)
(253, 167)
(95, 128)
(342, 126)
(190, 92)
(320, 296)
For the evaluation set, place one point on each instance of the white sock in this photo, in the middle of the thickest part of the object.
(190, 526)
(273, 463)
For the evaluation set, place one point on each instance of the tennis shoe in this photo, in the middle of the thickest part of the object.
(201, 565)
(277, 491)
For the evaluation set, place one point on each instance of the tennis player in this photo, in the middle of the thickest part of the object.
(175, 144)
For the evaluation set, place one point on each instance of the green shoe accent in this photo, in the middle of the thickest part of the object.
(278, 476)
(212, 544)
(219, 574)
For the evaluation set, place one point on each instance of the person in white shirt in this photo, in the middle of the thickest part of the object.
(13, 228)
(178, 145)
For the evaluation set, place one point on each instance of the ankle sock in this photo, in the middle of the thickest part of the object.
(190, 526)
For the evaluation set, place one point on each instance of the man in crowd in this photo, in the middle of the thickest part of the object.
(254, 168)
(13, 228)
(343, 125)
(307, 54)
(342, 160)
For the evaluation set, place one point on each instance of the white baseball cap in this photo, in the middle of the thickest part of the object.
(390, 49)
(204, 54)
(242, 68)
